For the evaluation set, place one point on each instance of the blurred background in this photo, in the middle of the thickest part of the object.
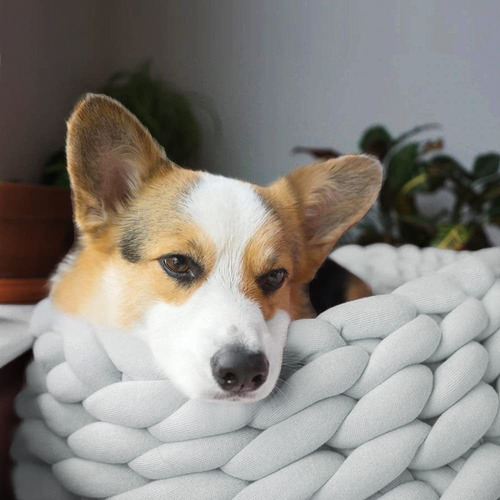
(256, 79)
(251, 89)
(279, 73)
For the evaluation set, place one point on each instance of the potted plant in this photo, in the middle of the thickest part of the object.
(36, 227)
(36, 230)
(413, 166)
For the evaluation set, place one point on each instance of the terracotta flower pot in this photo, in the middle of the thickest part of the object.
(36, 231)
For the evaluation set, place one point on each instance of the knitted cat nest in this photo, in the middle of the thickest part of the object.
(393, 396)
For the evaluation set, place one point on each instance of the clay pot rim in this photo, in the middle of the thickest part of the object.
(23, 290)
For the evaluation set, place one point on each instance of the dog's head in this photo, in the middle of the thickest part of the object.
(209, 270)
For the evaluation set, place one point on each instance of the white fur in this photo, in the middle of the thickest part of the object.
(111, 289)
(184, 338)
(64, 266)
(230, 212)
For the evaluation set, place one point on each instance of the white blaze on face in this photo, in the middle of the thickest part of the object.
(184, 338)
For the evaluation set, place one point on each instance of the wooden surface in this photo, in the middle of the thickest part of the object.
(23, 291)
(36, 229)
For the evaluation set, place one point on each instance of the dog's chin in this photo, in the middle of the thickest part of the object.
(230, 398)
(243, 397)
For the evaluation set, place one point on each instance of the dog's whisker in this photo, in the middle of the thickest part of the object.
(179, 401)
(199, 298)
(159, 453)
(284, 382)
(257, 409)
(280, 389)
(277, 390)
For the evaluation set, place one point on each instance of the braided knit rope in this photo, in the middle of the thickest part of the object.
(393, 396)
(386, 267)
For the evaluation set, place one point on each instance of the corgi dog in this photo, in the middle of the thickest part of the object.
(208, 270)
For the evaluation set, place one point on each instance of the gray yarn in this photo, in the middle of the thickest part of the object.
(394, 396)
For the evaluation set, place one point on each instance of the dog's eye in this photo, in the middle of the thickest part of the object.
(177, 264)
(181, 267)
(273, 280)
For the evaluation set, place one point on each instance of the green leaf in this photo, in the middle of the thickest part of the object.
(320, 153)
(452, 236)
(403, 204)
(492, 191)
(367, 226)
(419, 182)
(419, 222)
(166, 112)
(415, 131)
(371, 238)
(447, 166)
(494, 212)
(486, 165)
(402, 167)
(376, 141)
(435, 177)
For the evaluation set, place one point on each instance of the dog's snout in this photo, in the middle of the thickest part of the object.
(237, 369)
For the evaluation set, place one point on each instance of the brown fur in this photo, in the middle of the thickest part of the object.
(103, 141)
(356, 289)
(328, 198)
(126, 201)
(269, 249)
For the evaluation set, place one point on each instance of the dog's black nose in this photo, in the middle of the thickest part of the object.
(237, 369)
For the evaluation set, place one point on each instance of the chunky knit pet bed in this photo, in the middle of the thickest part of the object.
(393, 396)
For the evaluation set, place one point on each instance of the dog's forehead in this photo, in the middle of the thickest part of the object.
(228, 210)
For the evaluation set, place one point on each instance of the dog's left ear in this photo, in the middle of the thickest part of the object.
(329, 198)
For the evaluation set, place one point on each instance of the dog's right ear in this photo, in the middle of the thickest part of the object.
(110, 155)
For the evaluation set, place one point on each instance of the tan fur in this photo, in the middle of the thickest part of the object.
(83, 289)
(356, 289)
(291, 241)
(316, 205)
(269, 249)
(126, 198)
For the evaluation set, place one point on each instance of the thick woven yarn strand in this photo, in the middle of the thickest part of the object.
(394, 396)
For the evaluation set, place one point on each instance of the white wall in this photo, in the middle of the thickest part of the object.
(51, 51)
(280, 72)
(288, 72)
